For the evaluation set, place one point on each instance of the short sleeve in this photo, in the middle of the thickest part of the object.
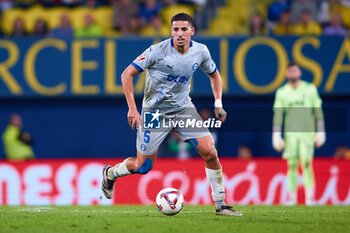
(146, 59)
(208, 65)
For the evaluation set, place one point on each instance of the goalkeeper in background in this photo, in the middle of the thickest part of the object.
(298, 107)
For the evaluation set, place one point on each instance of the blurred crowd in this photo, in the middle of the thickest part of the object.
(283, 17)
(300, 17)
(86, 18)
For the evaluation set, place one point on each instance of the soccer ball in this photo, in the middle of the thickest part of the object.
(169, 201)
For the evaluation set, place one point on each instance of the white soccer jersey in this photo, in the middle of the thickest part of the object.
(170, 72)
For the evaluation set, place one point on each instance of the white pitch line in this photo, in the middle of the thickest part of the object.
(33, 209)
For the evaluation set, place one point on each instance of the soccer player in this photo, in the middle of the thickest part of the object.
(298, 106)
(170, 65)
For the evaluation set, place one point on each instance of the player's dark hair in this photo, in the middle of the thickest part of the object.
(292, 63)
(182, 17)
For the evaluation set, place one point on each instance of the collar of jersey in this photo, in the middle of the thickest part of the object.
(172, 42)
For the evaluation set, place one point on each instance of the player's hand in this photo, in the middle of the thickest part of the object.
(134, 118)
(220, 114)
(320, 139)
(277, 141)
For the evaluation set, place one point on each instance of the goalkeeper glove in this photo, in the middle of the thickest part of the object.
(320, 139)
(277, 141)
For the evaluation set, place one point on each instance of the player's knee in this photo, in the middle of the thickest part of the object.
(143, 168)
(210, 154)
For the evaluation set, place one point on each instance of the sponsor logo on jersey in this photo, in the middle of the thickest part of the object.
(178, 79)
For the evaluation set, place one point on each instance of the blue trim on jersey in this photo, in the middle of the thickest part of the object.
(213, 71)
(137, 66)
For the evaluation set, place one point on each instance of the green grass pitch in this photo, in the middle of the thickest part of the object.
(193, 219)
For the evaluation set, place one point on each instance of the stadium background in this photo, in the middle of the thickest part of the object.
(68, 90)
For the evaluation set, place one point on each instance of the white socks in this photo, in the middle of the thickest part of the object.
(118, 170)
(215, 181)
(292, 198)
(310, 194)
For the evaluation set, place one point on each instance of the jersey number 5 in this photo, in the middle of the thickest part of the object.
(146, 136)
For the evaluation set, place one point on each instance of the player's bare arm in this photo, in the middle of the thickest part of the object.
(216, 86)
(134, 118)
